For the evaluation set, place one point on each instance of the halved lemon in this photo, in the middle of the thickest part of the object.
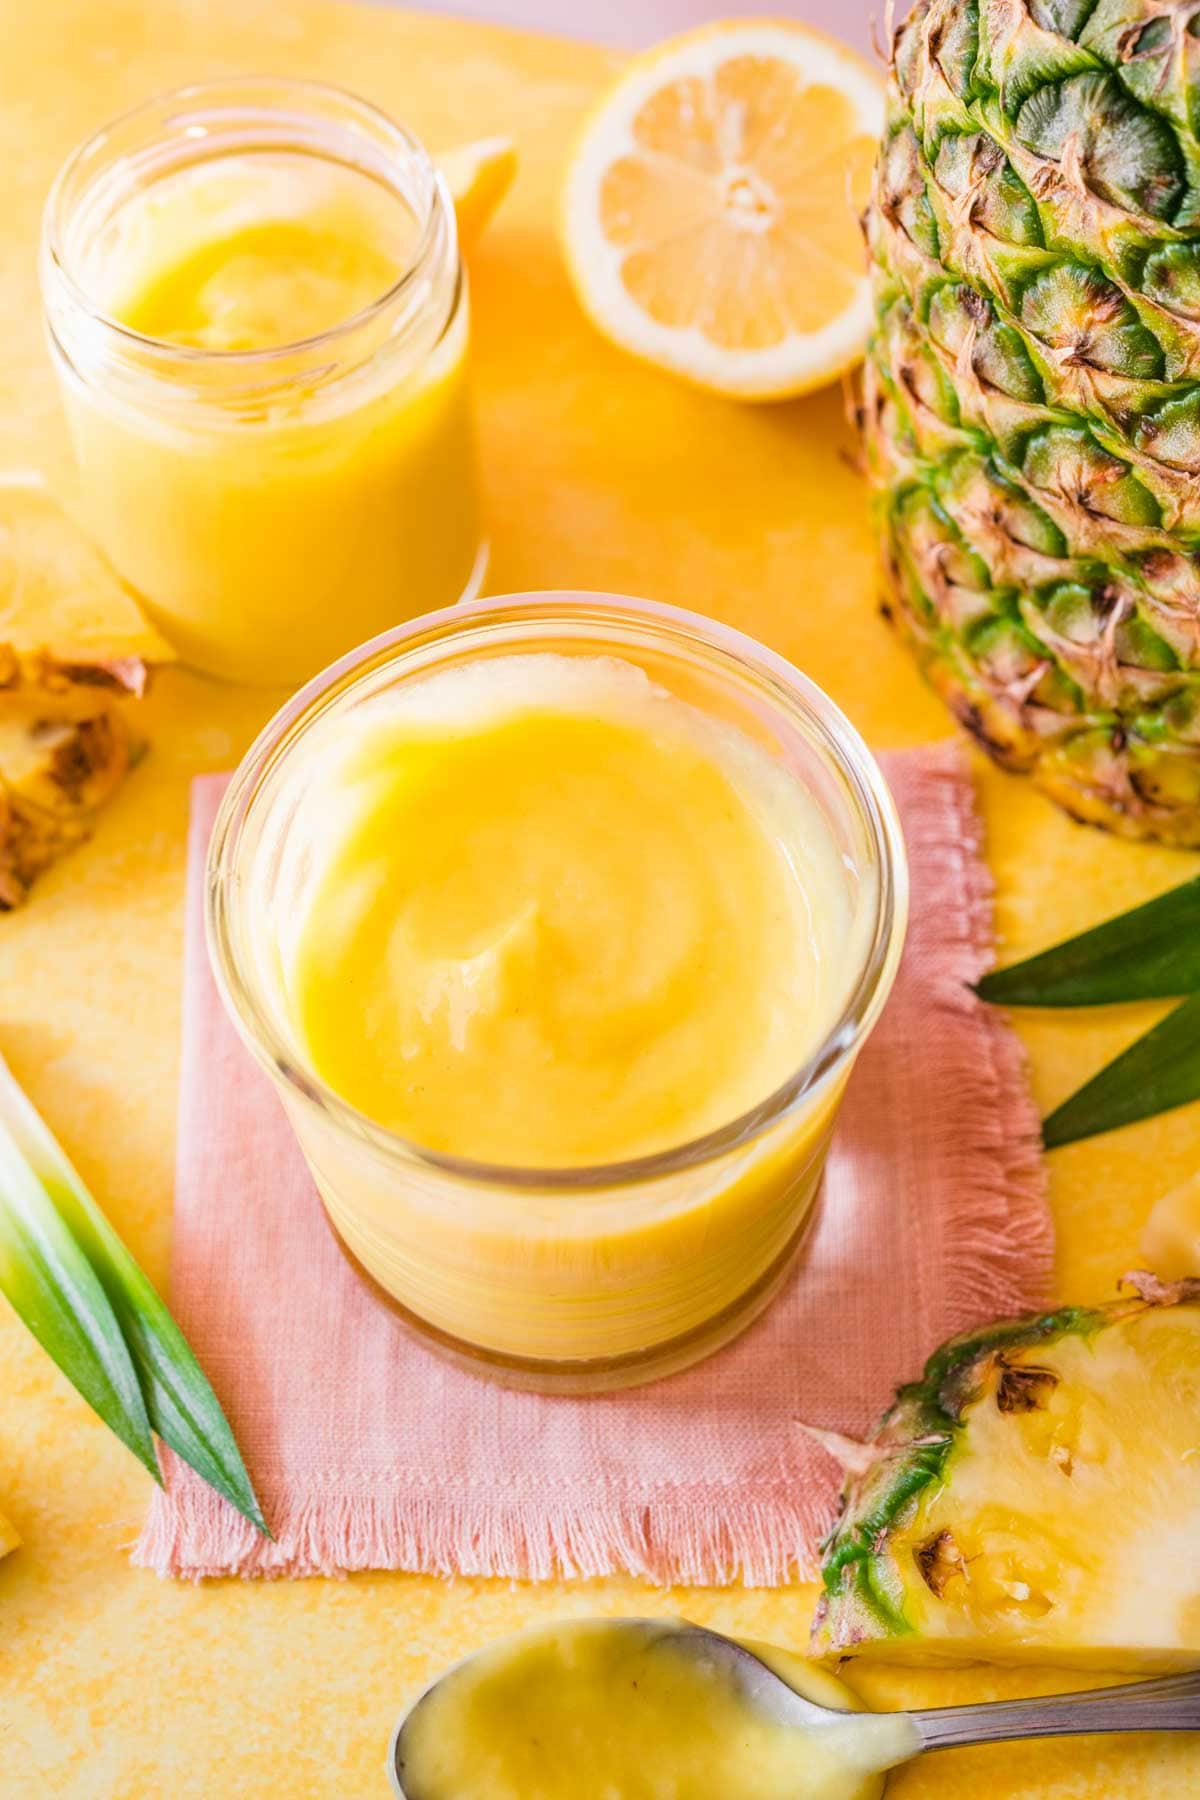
(710, 211)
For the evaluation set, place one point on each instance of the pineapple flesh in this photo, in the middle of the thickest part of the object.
(1035, 1497)
(74, 650)
(65, 748)
(1171, 1239)
(1031, 402)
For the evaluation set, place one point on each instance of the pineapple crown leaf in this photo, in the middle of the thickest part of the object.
(1151, 952)
(1148, 953)
(1156, 1074)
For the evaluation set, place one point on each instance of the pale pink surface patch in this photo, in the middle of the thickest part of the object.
(632, 24)
(370, 1453)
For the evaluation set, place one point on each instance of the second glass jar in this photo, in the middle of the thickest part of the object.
(274, 495)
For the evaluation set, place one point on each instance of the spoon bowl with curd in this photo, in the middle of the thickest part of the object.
(659, 1709)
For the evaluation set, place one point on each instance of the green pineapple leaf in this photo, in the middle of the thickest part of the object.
(93, 1309)
(1149, 953)
(1160, 1071)
(54, 1290)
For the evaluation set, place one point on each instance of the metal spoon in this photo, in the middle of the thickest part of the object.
(878, 1741)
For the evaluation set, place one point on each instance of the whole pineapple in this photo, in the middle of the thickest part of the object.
(1032, 399)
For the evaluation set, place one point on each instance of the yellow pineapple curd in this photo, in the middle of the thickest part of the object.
(582, 922)
(257, 313)
(560, 929)
(610, 1709)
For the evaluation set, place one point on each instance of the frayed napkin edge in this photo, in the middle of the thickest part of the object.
(1001, 1262)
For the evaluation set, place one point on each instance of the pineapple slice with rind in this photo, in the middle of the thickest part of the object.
(56, 591)
(72, 643)
(64, 748)
(1035, 1497)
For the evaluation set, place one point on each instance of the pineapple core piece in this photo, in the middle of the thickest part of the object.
(1035, 1497)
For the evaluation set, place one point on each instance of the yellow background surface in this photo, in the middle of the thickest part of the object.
(599, 473)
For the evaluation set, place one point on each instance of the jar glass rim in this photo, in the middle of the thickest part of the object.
(198, 94)
(782, 683)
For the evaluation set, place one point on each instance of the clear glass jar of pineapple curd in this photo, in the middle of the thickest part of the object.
(558, 922)
(259, 320)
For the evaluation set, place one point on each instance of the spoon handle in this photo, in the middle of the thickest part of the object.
(1171, 1703)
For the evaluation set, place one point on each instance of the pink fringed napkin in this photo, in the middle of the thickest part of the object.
(369, 1453)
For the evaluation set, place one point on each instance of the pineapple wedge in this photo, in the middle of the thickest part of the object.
(1171, 1239)
(9, 1536)
(64, 749)
(72, 643)
(1035, 1497)
(57, 593)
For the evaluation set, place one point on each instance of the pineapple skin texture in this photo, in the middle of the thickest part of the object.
(1035, 1497)
(1031, 404)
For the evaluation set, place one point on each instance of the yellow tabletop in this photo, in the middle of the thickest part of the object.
(599, 474)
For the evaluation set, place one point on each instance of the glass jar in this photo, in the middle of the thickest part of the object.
(272, 506)
(581, 1278)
